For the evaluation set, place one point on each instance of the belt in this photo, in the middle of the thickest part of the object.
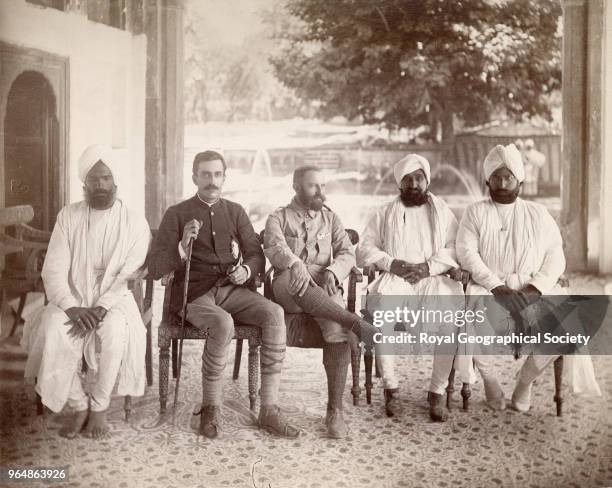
(210, 269)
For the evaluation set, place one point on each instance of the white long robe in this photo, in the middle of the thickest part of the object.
(72, 280)
(516, 245)
(414, 234)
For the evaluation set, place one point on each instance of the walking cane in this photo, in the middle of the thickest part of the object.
(182, 333)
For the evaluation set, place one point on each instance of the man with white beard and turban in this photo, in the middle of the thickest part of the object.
(412, 241)
(513, 250)
(96, 245)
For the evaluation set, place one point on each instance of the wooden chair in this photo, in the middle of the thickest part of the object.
(27, 247)
(298, 336)
(305, 333)
(466, 390)
(141, 286)
(368, 355)
(169, 333)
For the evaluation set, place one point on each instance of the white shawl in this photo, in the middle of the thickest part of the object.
(395, 241)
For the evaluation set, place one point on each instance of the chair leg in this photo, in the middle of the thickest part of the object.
(164, 369)
(2, 300)
(127, 407)
(355, 367)
(466, 393)
(253, 372)
(149, 357)
(22, 301)
(174, 358)
(377, 371)
(368, 356)
(558, 369)
(237, 359)
(450, 388)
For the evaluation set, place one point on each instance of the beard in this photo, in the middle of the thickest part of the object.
(315, 202)
(101, 199)
(504, 196)
(413, 198)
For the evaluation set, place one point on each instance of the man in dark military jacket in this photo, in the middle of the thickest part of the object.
(226, 256)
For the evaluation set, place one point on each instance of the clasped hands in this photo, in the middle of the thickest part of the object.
(84, 320)
(516, 300)
(412, 273)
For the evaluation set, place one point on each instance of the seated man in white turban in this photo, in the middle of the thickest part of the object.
(96, 245)
(412, 240)
(513, 250)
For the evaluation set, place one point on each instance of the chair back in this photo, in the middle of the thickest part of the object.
(26, 245)
(19, 214)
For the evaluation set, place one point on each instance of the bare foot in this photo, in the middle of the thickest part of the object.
(96, 426)
(74, 424)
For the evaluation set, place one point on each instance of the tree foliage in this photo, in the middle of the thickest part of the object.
(227, 73)
(404, 63)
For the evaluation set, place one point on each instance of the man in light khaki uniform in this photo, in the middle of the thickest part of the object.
(312, 255)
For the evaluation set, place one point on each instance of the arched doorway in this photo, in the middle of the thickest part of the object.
(31, 148)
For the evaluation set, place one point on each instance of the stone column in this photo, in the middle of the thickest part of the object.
(574, 182)
(164, 107)
(587, 132)
(174, 62)
(593, 132)
(605, 261)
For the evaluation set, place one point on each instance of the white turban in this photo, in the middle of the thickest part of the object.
(411, 163)
(508, 156)
(95, 153)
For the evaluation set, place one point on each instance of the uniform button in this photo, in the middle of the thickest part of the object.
(214, 233)
(212, 213)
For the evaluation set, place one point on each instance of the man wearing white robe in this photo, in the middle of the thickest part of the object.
(513, 250)
(412, 241)
(96, 245)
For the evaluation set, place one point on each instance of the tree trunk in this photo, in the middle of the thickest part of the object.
(448, 137)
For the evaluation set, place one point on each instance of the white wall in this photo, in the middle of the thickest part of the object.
(106, 94)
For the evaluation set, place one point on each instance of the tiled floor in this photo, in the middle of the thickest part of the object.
(477, 448)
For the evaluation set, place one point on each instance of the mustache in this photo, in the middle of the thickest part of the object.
(413, 191)
(504, 196)
(413, 197)
(211, 187)
(101, 194)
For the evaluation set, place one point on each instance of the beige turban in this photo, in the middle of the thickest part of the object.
(508, 156)
(411, 163)
(96, 153)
